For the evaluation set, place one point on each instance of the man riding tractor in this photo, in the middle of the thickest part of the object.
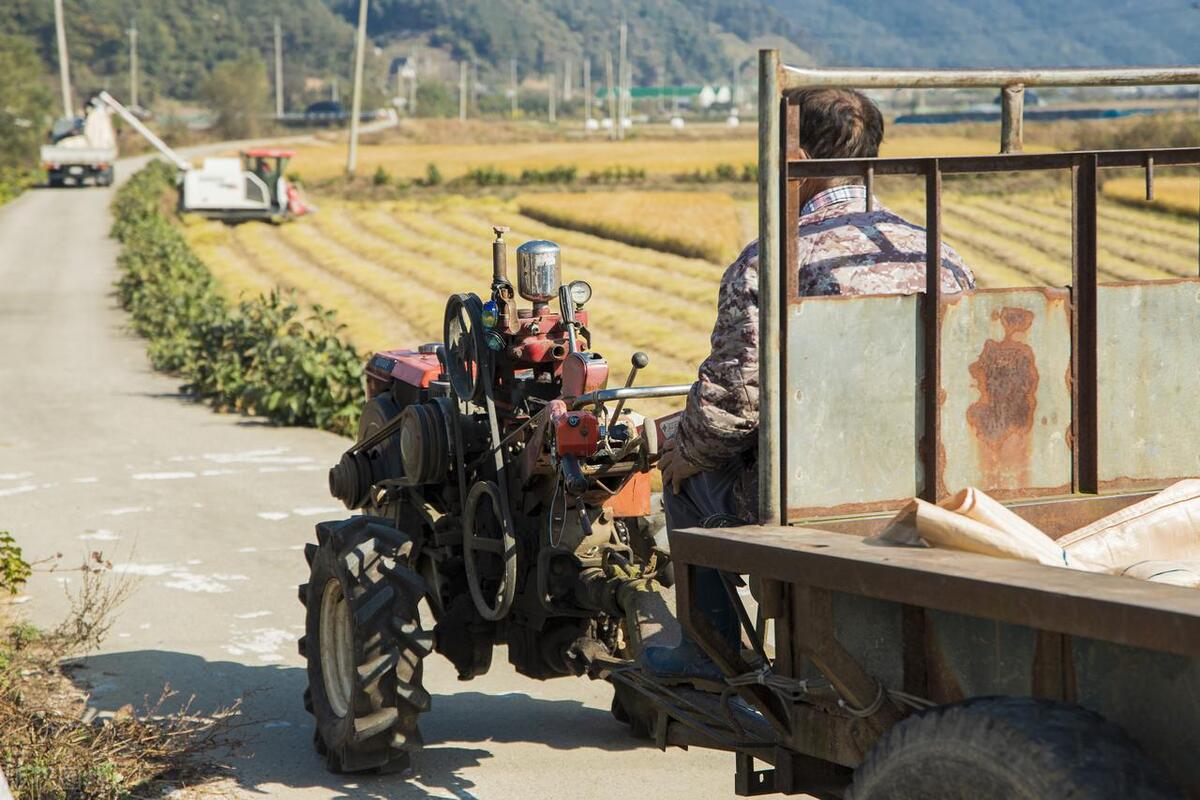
(709, 467)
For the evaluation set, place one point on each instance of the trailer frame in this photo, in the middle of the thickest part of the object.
(885, 624)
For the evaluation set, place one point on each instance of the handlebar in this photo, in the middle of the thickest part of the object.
(640, 393)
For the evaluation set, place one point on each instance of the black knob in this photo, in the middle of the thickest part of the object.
(640, 360)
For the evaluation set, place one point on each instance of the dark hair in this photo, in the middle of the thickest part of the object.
(839, 123)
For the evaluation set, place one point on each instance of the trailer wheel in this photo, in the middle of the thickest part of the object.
(364, 645)
(1008, 748)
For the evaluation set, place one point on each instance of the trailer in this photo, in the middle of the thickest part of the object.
(927, 673)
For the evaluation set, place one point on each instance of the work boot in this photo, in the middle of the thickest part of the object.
(688, 660)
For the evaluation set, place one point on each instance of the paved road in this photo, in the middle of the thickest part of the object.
(207, 513)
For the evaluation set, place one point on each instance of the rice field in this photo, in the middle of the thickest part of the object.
(659, 158)
(388, 267)
(709, 225)
(1179, 194)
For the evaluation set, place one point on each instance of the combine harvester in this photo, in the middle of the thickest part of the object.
(230, 189)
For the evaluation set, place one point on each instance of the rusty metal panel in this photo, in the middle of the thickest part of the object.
(1006, 398)
(1149, 383)
(852, 394)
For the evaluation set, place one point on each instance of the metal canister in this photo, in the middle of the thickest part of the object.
(539, 271)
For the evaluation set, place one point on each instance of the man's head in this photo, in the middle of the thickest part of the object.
(838, 123)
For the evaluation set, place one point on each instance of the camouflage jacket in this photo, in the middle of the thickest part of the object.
(843, 250)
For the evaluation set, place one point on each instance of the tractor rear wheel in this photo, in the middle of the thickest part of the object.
(364, 645)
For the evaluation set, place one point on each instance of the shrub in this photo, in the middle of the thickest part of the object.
(721, 173)
(616, 174)
(433, 176)
(381, 177)
(14, 569)
(487, 176)
(265, 357)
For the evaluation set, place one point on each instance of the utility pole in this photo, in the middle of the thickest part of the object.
(278, 70)
(621, 89)
(513, 87)
(356, 103)
(587, 90)
(412, 86)
(133, 65)
(462, 91)
(568, 78)
(474, 86)
(64, 68)
(552, 89)
(612, 98)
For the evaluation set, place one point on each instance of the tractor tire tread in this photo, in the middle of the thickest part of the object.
(369, 557)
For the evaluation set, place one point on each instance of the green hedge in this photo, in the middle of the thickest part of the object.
(261, 357)
(13, 182)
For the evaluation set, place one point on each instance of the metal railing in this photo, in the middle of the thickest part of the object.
(780, 166)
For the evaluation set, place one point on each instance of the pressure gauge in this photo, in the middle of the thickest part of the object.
(581, 292)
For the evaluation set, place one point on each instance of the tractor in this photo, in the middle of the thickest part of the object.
(504, 486)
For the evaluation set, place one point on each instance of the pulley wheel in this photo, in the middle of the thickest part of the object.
(467, 354)
(489, 552)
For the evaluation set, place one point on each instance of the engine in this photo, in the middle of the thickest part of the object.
(521, 477)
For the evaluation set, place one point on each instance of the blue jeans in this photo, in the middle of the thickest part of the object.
(703, 496)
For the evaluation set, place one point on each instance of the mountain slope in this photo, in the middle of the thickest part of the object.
(669, 40)
(945, 33)
(181, 40)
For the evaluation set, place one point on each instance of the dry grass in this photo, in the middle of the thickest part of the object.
(1178, 194)
(53, 746)
(693, 224)
(656, 157)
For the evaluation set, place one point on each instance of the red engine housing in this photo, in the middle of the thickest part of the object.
(416, 368)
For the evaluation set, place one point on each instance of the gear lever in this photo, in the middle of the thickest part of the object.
(639, 361)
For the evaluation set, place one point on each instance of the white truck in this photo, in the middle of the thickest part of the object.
(82, 148)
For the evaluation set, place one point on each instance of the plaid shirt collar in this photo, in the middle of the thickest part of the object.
(854, 193)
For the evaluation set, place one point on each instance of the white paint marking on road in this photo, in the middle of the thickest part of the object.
(210, 473)
(273, 516)
(312, 511)
(163, 476)
(225, 576)
(145, 626)
(272, 469)
(100, 535)
(25, 487)
(117, 512)
(124, 635)
(191, 582)
(14, 476)
(86, 479)
(263, 642)
(273, 456)
(192, 562)
(247, 550)
(145, 570)
(252, 615)
(277, 724)
(18, 600)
